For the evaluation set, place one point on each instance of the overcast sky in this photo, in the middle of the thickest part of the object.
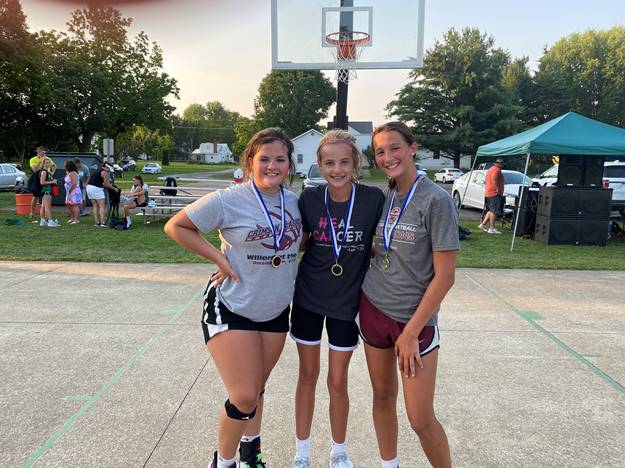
(220, 49)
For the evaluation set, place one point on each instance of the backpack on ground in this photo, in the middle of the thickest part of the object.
(34, 183)
(118, 223)
(170, 182)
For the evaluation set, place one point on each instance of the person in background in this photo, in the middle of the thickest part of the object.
(137, 197)
(494, 197)
(84, 174)
(36, 164)
(47, 182)
(73, 194)
(95, 191)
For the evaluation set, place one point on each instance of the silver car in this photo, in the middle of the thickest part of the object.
(11, 177)
(313, 178)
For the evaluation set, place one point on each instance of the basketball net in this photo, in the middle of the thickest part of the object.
(346, 51)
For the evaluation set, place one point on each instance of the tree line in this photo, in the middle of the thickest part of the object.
(68, 89)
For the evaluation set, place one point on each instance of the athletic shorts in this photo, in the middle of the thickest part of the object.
(381, 331)
(307, 326)
(95, 193)
(142, 205)
(217, 318)
(495, 204)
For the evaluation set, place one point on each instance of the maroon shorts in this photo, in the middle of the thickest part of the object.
(381, 331)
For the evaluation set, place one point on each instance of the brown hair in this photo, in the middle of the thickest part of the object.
(400, 128)
(341, 136)
(263, 137)
(70, 166)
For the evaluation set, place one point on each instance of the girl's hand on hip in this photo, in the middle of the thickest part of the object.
(224, 270)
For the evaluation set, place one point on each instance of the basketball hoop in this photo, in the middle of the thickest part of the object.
(347, 50)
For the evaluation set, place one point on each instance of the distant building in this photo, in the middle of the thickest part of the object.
(212, 153)
(305, 150)
(432, 162)
(362, 131)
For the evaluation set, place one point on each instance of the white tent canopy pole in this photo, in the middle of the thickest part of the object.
(518, 211)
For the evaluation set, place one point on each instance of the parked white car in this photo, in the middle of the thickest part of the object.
(152, 168)
(474, 196)
(447, 175)
(11, 177)
(420, 170)
(547, 178)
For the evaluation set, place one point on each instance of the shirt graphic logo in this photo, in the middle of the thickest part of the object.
(291, 236)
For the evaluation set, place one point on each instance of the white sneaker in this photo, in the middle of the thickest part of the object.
(340, 460)
(43, 222)
(52, 223)
(493, 231)
(301, 462)
(483, 228)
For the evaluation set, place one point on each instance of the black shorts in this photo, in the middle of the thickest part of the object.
(217, 318)
(495, 205)
(307, 327)
(142, 205)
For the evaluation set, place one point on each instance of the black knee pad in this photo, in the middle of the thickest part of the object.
(234, 413)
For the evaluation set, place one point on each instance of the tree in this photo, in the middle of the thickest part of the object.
(22, 87)
(458, 100)
(244, 128)
(293, 100)
(138, 140)
(102, 82)
(585, 73)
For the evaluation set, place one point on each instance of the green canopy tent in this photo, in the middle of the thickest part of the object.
(570, 133)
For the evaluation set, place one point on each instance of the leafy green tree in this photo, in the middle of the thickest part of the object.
(244, 128)
(585, 73)
(458, 100)
(293, 100)
(102, 81)
(137, 140)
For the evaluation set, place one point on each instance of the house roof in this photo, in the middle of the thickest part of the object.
(363, 127)
(312, 131)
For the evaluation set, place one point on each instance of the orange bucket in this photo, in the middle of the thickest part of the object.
(22, 204)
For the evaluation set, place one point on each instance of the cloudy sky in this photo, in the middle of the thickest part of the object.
(220, 49)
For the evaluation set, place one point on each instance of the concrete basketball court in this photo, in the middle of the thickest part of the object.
(103, 365)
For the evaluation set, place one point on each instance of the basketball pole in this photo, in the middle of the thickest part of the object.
(347, 24)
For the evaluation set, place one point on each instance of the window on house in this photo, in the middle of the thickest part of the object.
(300, 158)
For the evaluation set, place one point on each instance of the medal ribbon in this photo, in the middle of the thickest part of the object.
(277, 240)
(387, 234)
(336, 248)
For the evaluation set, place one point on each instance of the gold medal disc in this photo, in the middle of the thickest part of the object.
(276, 261)
(386, 263)
(337, 270)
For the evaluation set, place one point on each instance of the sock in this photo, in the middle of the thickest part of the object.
(249, 438)
(302, 447)
(394, 463)
(128, 221)
(223, 463)
(338, 448)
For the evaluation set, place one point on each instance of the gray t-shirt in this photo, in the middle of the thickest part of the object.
(429, 223)
(264, 291)
(84, 175)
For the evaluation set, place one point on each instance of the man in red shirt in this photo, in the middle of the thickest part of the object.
(494, 195)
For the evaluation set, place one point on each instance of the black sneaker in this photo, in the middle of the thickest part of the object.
(250, 454)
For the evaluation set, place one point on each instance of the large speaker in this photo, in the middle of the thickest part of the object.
(580, 171)
(527, 212)
(572, 231)
(574, 202)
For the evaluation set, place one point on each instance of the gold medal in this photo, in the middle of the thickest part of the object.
(276, 261)
(337, 270)
(386, 263)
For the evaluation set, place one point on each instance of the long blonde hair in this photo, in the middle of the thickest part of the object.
(341, 136)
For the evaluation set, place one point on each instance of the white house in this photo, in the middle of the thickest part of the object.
(305, 152)
(212, 153)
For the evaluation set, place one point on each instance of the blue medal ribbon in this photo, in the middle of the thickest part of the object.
(336, 247)
(277, 240)
(387, 234)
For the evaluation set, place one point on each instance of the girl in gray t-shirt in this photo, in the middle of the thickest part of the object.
(412, 271)
(246, 305)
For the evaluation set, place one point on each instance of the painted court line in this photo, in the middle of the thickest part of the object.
(92, 399)
(561, 344)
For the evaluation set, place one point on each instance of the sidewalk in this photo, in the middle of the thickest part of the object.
(103, 365)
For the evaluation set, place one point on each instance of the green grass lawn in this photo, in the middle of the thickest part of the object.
(146, 243)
